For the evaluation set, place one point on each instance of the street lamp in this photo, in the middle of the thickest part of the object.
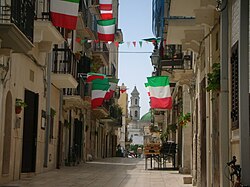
(155, 60)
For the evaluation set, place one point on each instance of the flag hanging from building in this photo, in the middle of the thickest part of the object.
(106, 14)
(99, 89)
(160, 95)
(93, 76)
(146, 85)
(113, 83)
(64, 13)
(105, 4)
(106, 30)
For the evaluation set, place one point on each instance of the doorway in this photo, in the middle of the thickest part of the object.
(30, 132)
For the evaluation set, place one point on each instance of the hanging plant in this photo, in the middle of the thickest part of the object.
(19, 105)
(213, 78)
(184, 119)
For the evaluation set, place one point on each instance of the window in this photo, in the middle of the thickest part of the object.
(136, 113)
(136, 101)
(234, 88)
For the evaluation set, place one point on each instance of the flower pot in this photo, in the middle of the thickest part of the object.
(18, 109)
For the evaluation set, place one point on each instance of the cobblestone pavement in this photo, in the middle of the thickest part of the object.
(109, 172)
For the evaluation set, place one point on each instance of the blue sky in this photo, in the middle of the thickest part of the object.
(135, 20)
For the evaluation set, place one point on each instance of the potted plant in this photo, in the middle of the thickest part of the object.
(184, 119)
(19, 105)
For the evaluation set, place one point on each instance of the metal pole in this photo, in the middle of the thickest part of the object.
(224, 110)
(244, 91)
(46, 151)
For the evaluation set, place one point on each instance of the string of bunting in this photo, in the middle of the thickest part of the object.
(134, 43)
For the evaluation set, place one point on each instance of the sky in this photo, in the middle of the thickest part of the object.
(135, 21)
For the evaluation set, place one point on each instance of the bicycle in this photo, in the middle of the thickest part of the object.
(235, 174)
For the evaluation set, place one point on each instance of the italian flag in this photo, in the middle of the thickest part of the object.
(64, 13)
(105, 4)
(113, 83)
(99, 89)
(106, 30)
(146, 85)
(106, 14)
(93, 76)
(160, 95)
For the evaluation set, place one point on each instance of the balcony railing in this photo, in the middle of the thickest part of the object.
(174, 58)
(64, 61)
(21, 13)
(101, 48)
(83, 89)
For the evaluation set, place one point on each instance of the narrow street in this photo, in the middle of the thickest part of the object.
(110, 172)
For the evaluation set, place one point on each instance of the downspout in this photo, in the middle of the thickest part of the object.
(224, 108)
(47, 133)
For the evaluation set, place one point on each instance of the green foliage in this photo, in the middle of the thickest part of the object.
(214, 78)
(184, 119)
(20, 103)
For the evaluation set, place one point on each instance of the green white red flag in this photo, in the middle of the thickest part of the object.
(64, 13)
(93, 76)
(105, 4)
(113, 84)
(99, 89)
(160, 95)
(106, 14)
(106, 30)
(146, 86)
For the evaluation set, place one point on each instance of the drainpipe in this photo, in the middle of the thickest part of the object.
(244, 92)
(47, 133)
(224, 110)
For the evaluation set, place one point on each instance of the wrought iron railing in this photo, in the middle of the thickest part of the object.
(102, 48)
(22, 14)
(174, 58)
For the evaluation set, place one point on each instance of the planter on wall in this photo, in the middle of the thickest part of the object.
(18, 109)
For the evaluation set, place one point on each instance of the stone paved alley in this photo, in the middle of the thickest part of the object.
(109, 172)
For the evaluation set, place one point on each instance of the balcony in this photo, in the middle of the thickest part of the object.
(79, 97)
(64, 68)
(45, 33)
(177, 64)
(100, 53)
(86, 22)
(115, 115)
(16, 26)
(102, 112)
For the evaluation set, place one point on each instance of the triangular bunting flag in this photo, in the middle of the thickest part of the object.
(140, 42)
(134, 43)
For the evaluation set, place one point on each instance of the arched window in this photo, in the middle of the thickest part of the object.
(136, 101)
(136, 113)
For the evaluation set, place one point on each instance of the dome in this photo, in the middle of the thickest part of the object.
(146, 117)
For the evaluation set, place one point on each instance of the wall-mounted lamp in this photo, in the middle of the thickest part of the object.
(4, 67)
(156, 62)
(155, 57)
